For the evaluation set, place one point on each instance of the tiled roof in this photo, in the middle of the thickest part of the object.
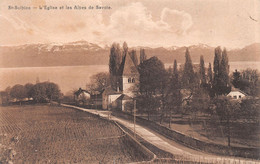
(128, 67)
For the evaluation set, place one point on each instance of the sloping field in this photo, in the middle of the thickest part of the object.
(48, 134)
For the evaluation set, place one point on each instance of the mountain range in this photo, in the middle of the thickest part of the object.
(85, 53)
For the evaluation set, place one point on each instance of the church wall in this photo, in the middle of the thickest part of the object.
(129, 84)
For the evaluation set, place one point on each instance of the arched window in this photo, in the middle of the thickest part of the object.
(133, 80)
(129, 80)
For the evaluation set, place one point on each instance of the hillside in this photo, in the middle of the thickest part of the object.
(85, 53)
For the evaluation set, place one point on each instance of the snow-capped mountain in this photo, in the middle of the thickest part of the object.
(85, 53)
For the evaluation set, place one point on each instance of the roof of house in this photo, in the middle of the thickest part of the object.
(233, 89)
(124, 97)
(128, 67)
(110, 90)
(78, 92)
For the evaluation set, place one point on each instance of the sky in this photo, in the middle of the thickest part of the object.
(228, 23)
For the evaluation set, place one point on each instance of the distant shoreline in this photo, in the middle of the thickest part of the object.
(59, 66)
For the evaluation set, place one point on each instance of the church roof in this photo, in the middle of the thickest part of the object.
(128, 67)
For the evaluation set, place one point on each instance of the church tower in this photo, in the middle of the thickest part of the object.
(129, 76)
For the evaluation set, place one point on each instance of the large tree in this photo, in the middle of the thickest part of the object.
(216, 68)
(224, 73)
(210, 81)
(227, 111)
(133, 56)
(143, 56)
(202, 72)
(209, 76)
(46, 91)
(188, 76)
(125, 49)
(173, 97)
(98, 82)
(28, 88)
(52, 91)
(115, 60)
(152, 73)
(8, 96)
(175, 69)
(236, 79)
(247, 81)
(152, 84)
(18, 91)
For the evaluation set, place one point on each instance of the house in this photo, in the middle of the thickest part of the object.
(109, 98)
(96, 99)
(235, 93)
(82, 96)
(117, 95)
(123, 100)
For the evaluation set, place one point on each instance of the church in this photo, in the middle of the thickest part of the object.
(117, 96)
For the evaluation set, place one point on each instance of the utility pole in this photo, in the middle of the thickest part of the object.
(134, 117)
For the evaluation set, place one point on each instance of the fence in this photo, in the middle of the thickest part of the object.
(244, 152)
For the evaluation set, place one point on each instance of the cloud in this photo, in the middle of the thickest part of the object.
(135, 24)
(178, 21)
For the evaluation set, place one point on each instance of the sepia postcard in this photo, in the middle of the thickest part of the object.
(129, 81)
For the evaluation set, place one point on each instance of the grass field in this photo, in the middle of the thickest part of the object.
(51, 134)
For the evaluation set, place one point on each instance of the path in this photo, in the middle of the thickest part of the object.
(177, 151)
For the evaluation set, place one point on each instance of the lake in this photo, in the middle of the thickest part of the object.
(70, 78)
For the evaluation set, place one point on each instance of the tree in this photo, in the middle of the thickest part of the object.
(250, 110)
(202, 72)
(200, 102)
(247, 81)
(52, 91)
(134, 57)
(8, 91)
(188, 76)
(152, 73)
(147, 103)
(224, 73)
(18, 91)
(175, 69)
(209, 76)
(142, 55)
(28, 89)
(236, 79)
(115, 60)
(227, 111)
(98, 82)
(39, 93)
(173, 97)
(125, 49)
(152, 85)
(216, 68)
(250, 82)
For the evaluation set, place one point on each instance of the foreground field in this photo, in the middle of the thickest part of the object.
(45, 134)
